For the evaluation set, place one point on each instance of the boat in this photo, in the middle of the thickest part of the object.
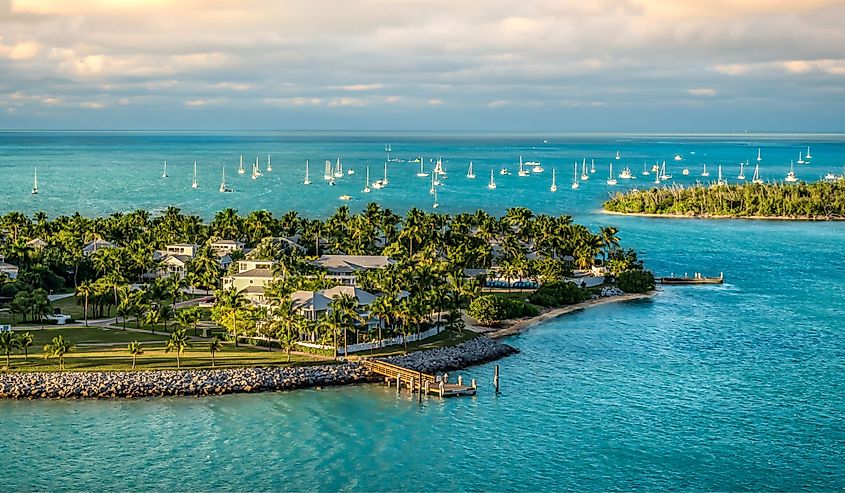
(697, 278)
(387, 148)
(345, 197)
(790, 177)
(685, 172)
(705, 173)
(678, 157)
(584, 174)
(194, 183)
(575, 184)
(611, 180)
(422, 172)
(255, 172)
(35, 182)
(367, 181)
(800, 157)
(522, 170)
(741, 175)
(503, 171)
(438, 167)
(338, 169)
(537, 168)
(327, 174)
(307, 180)
(645, 170)
(759, 158)
(617, 155)
(223, 187)
(719, 180)
(656, 179)
(592, 166)
(384, 180)
(241, 169)
(808, 156)
(164, 173)
(655, 168)
(435, 205)
(470, 174)
(626, 174)
(830, 177)
(492, 184)
(417, 160)
(756, 178)
(379, 184)
(350, 172)
(663, 175)
(553, 188)
(269, 164)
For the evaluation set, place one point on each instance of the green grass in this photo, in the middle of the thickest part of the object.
(445, 338)
(89, 335)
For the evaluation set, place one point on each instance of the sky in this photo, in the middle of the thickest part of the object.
(471, 65)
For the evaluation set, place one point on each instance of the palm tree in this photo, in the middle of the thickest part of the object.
(347, 307)
(8, 343)
(177, 343)
(135, 350)
(25, 341)
(85, 290)
(231, 301)
(188, 318)
(152, 318)
(165, 312)
(214, 345)
(58, 348)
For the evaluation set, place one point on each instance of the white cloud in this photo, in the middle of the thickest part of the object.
(702, 92)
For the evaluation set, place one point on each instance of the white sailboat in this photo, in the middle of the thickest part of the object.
(269, 164)
(656, 178)
(719, 179)
(327, 174)
(492, 184)
(435, 205)
(808, 156)
(611, 180)
(307, 180)
(422, 173)
(35, 182)
(663, 175)
(756, 178)
(164, 173)
(705, 173)
(790, 177)
(194, 183)
(575, 184)
(434, 183)
(592, 166)
(503, 171)
(553, 188)
(223, 187)
(367, 181)
(741, 175)
(617, 156)
(255, 172)
(470, 173)
(626, 174)
(801, 157)
(338, 169)
(522, 170)
(645, 169)
(241, 169)
(759, 157)
(379, 184)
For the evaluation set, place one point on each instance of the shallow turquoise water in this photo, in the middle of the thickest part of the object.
(734, 387)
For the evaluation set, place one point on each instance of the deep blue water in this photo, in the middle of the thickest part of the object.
(733, 387)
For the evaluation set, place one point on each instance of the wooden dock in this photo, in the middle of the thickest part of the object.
(417, 381)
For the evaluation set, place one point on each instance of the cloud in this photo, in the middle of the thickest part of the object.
(20, 51)
(702, 92)
(361, 87)
(196, 103)
(92, 105)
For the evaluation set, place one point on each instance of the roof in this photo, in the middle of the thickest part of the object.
(226, 242)
(181, 259)
(364, 297)
(36, 242)
(264, 273)
(253, 290)
(309, 300)
(349, 263)
(99, 244)
(183, 245)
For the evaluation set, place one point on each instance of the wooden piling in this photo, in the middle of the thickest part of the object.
(496, 379)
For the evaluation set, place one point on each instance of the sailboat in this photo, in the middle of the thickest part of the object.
(522, 170)
(592, 166)
(255, 172)
(338, 169)
(387, 148)
(617, 156)
(223, 187)
(434, 183)
(759, 158)
(719, 180)
(435, 205)
(553, 188)
(194, 183)
(611, 180)
(269, 165)
(626, 174)
(663, 175)
(756, 178)
(657, 179)
(470, 174)
(327, 174)
(492, 184)
(164, 173)
(678, 157)
(645, 169)
(584, 175)
(241, 169)
(422, 173)
(35, 182)
(790, 177)
(830, 176)
(503, 171)
(575, 177)
(307, 180)
(808, 156)
(379, 184)
(705, 173)
(801, 157)
(367, 182)
(741, 175)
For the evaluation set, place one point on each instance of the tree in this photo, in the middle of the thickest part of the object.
(135, 350)
(58, 348)
(124, 310)
(85, 290)
(8, 343)
(152, 318)
(346, 306)
(177, 343)
(25, 341)
(229, 303)
(165, 313)
(214, 345)
(188, 318)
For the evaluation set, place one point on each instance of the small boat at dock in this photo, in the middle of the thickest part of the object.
(697, 278)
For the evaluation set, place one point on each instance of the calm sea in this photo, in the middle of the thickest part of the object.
(734, 387)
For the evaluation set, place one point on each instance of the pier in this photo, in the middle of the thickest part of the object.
(417, 381)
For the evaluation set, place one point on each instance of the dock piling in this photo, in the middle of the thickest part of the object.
(460, 379)
(496, 379)
(398, 382)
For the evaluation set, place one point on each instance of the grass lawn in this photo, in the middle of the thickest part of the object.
(445, 338)
(88, 335)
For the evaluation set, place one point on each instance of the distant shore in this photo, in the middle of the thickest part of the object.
(519, 326)
(708, 216)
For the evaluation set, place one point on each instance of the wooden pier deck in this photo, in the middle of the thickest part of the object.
(416, 381)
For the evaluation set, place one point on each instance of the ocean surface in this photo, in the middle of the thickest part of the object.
(736, 387)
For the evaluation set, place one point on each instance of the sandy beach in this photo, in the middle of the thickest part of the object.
(707, 216)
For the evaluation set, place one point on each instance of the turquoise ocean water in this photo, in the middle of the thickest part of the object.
(733, 387)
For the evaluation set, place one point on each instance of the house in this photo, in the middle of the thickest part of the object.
(36, 244)
(344, 268)
(8, 270)
(313, 305)
(310, 304)
(225, 247)
(364, 300)
(175, 265)
(95, 245)
(252, 277)
(186, 249)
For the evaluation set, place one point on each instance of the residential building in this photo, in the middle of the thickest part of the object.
(251, 279)
(36, 244)
(8, 270)
(344, 268)
(186, 249)
(225, 247)
(95, 245)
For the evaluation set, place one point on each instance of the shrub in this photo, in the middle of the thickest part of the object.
(635, 281)
(555, 294)
(10, 289)
(490, 309)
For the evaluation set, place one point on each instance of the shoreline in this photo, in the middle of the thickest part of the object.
(707, 216)
(524, 324)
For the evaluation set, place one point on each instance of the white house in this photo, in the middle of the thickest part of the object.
(8, 270)
(95, 245)
(225, 247)
(252, 277)
(187, 249)
(344, 268)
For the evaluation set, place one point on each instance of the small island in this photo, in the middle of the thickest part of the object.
(819, 201)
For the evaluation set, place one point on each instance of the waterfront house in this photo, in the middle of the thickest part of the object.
(310, 304)
(251, 278)
(344, 268)
(95, 245)
(8, 270)
(225, 247)
(184, 249)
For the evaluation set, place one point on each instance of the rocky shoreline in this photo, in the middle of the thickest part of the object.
(77, 385)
